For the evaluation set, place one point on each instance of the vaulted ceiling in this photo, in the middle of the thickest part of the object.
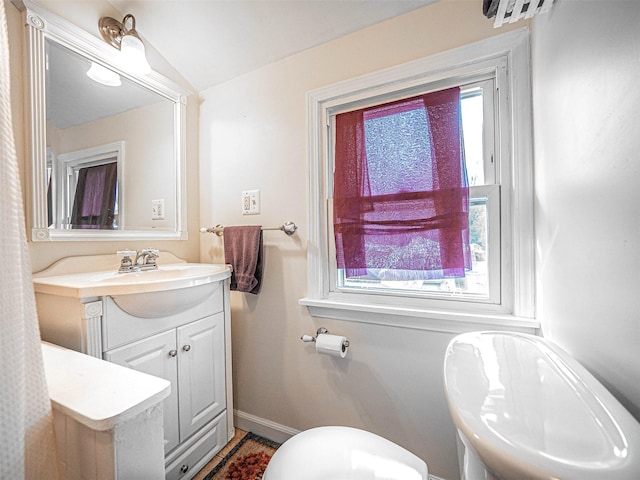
(211, 41)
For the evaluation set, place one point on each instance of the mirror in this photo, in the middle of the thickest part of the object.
(107, 155)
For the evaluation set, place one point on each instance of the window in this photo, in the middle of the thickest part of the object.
(94, 204)
(497, 287)
(398, 152)
(92, 182)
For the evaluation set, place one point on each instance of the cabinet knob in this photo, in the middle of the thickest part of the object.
(186, 348)
(184, 468)
(173, 353)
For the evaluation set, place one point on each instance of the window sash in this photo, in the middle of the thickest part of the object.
(485, 83)
(487, 88)
(492, 195)
(378, 208)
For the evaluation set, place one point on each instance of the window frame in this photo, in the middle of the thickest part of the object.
(507, 58)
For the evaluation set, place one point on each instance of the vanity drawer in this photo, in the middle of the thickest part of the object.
(202, 448)
(120, 327)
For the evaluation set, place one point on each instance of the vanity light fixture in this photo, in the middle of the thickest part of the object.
(126, 40)
(103, 75)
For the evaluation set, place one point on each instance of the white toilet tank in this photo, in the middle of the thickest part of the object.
(525, 409)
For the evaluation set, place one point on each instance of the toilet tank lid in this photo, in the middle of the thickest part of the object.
(520, 399)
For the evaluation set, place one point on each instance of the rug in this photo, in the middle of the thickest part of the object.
(246, 461)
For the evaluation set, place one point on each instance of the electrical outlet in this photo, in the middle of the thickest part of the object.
(157, 209)
(251, 202)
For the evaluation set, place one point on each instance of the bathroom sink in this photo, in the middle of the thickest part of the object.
(176, 276)
(164, 303)
(166, 291)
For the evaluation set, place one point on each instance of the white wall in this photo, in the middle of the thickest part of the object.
(253, 136)
(586, 66)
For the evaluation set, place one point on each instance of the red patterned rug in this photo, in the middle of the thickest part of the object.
(247, 461)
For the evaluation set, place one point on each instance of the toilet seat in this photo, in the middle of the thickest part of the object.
(343, 453)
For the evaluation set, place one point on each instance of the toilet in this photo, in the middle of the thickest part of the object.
(343, 453)
(525, 409)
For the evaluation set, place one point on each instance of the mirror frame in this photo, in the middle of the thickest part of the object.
(42, 24)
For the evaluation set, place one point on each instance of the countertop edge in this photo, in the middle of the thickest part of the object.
(71, 374)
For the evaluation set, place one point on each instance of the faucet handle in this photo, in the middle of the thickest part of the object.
(148, 256)
(126, 264)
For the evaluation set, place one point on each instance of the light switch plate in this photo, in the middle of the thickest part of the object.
(157, 209)
(251, 202)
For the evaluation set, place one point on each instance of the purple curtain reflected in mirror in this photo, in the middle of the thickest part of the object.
(95, 198)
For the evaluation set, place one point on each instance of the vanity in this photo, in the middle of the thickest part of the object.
(172, 322)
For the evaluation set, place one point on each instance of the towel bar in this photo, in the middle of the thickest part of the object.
(288, 227)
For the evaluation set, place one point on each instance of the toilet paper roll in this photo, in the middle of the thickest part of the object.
(333, 345)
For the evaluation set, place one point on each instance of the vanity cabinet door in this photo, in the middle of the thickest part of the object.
(156, 355)
(201, 373)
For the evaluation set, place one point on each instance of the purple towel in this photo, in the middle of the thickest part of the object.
(243, 251)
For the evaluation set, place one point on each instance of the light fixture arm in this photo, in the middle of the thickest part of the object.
(112, 30)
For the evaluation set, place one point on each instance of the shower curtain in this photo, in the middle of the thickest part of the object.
(27, 446)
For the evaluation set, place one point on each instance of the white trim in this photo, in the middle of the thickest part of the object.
(522, 180)
(417, 318)
(508, 56)
(105, 235)
(263, 427)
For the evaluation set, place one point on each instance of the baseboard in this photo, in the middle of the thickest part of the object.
(271, 430)
(265, 428)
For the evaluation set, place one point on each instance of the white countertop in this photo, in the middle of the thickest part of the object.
(110, 282)
(96, 393)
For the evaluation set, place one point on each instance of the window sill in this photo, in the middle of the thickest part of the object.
(417, 319)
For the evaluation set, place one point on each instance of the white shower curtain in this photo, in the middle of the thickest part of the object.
(27, 447)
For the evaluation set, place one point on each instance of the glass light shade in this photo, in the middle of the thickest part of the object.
(103, 75)
(133, 55)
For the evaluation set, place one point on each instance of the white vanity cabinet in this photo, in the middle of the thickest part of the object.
(152, 356)
(192, 358)
(181, 334)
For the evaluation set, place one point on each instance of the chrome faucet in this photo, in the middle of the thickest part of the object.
(148, 257)
(143, 260)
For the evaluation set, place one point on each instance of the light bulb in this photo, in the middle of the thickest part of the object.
(133, 56)
(103, 75)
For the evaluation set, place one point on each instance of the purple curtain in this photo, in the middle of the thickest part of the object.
(95, 197)
(401, 197)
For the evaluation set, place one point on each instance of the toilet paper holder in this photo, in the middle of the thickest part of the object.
(320, 331)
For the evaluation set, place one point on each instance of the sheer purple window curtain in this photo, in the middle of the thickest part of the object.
(401, 196)
(95, 197)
